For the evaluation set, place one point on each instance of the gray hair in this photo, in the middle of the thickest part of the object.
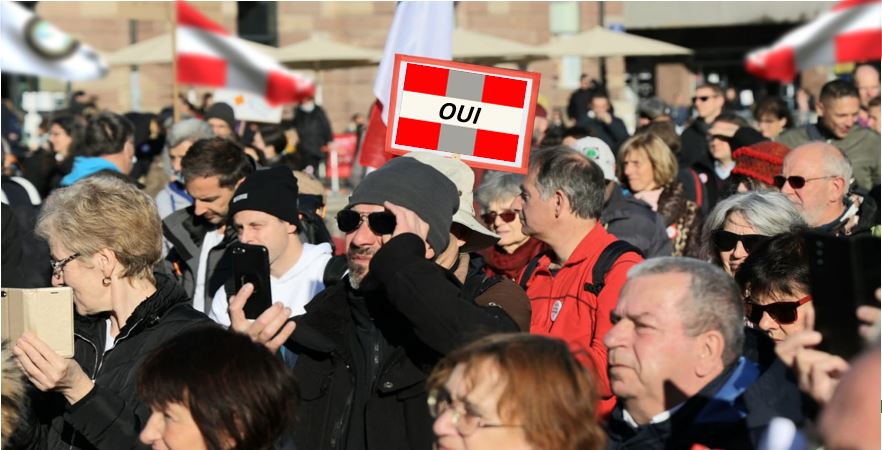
(188, 130)
(769, 212)
(498, 186)
(580, 179)
(839, 165)
(713, 303)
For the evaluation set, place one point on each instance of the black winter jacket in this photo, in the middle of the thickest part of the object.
(419, 315)
(708, 420)
(633, 220)
(111, 415)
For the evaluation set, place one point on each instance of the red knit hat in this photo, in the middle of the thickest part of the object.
(760, 161)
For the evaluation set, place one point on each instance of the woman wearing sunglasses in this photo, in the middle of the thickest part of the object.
(775, 283)
(514, 249)
(739, 223)
(514, 392)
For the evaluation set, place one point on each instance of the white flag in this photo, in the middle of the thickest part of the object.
(33, 46)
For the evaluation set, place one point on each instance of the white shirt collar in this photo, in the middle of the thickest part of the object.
(658, 418)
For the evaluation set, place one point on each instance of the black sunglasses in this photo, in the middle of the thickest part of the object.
(796, 182)
(726, 241)
(721, 137)
(507, 216)
(381, 222)
(703, 98)
(782, 312)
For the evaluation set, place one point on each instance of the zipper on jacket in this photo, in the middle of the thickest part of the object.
(337, 432)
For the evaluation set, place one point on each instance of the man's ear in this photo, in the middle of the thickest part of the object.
(561, 203)
(709, 349)
(819, 108)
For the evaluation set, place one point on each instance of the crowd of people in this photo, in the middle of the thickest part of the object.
(632, 290)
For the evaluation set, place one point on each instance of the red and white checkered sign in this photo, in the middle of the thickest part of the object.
(483, 115)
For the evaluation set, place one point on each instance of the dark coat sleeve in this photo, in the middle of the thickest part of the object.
(421, 291)
(107, 421)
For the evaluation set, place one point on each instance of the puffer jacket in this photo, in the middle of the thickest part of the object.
(112, 415)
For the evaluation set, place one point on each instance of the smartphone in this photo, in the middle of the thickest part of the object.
(46, 312)
(251, 265)
(844, 275)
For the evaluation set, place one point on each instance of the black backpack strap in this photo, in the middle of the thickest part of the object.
(531, 267)
(607, 258)
(334, 270)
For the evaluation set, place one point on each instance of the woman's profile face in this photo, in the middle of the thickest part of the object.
(172, 428)
(59, 139)
(473, 403)
(637, 169)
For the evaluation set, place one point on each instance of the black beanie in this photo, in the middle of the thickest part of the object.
(746, 136)
(418, 187)
(273, 191)
(222, 111)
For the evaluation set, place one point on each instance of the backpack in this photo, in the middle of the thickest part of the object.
(604, 263)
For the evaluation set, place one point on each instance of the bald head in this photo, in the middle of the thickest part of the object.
(866, 78)
(850, 420)
(826, 172)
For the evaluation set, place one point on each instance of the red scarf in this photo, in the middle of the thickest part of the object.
(510, 265)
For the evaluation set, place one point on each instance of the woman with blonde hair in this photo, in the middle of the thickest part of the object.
(104, 236)
(649, 170)
(517, 392)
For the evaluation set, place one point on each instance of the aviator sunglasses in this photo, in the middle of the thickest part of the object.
(726, 241)
(796, 182)
(781, 312)
(507, 216)
(381, 222)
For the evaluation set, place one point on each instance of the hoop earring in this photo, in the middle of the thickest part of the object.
(106, 281)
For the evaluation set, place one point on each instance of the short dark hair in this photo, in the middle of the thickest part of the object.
(106, 134)
(874, 102)
(666, 132)
(275, 136)
(718, 90)
(580, 178)
(778, 265)
(837, 89)
(730, 117)
(576, 132)
(234, 388)
(774, 105)
(218, 157)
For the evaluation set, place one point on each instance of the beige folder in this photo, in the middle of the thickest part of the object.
(45, 312)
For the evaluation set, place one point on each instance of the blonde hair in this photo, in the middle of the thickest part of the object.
(105, 212)
(664, 163)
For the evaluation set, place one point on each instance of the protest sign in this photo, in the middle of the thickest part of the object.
(482, 115)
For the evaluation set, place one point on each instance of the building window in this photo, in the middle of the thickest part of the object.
(564, 20)
(256, 21)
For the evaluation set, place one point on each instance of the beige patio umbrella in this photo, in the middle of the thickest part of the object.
(599, 42)
(318, 53)
(479, 48)
(158, 50)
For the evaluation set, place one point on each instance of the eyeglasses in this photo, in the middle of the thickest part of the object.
(465, 422)
(782, 312)
(726, 241)
(507, 216)
(796, 182)
(703, 98)
(58, 266)
(381, 222)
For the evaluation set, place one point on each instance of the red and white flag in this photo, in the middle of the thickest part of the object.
(209, 56)
(851, 31)
(419, 29)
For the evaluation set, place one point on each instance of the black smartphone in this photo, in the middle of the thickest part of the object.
(251, 265)
(844, 275)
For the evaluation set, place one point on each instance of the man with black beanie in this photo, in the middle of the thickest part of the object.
(222, 119)
(366, 345)
(264, 212)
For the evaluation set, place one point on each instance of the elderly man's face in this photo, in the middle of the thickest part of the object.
(867, 81)
(362, 243)
(812, 199)
(536, 214)
(648, 347)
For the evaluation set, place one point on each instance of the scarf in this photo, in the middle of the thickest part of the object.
(510, 265)
(84, 166)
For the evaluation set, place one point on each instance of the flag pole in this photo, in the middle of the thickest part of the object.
(174, 53)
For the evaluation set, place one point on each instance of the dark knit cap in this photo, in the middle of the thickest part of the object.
(222, 111)
(416, 186)
(273, 191)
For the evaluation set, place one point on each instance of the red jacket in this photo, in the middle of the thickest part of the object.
(562, 308)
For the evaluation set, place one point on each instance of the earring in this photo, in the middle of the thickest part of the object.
(106, 281)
